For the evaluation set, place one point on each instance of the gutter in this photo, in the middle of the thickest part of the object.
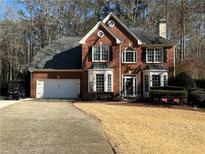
(120, 69)
(54, 70)
(157, 45)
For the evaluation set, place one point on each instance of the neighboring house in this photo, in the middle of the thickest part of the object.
(110, 58)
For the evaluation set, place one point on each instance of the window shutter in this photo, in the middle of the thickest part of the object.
(164, 55)
(90, 53)
(135, 56)
(110, 53)
(144, 55)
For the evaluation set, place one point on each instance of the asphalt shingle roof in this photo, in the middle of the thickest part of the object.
(150, 38)
(63, 53)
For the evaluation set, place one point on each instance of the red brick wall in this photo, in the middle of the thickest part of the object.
(120, 68)
(52, 75)
(95, 40)
(170, 62)
(116, 61)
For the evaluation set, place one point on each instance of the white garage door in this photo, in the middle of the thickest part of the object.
(58, 88)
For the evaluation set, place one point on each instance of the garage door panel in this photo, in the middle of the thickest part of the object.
(56, 88)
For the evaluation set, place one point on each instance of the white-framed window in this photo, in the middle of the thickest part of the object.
(100, 83)
(100, 80)
(109, 83)
(156, 80)
(129, 56)
(154, 55)
(100, 53)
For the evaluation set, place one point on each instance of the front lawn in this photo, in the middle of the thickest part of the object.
(140, 129)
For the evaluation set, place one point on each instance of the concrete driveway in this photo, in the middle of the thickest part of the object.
(49, 128)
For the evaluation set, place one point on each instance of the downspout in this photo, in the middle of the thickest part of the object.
(30, 84)
(31, 70)
(174, 60)
(120, 71)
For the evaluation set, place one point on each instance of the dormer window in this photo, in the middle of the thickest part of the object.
(100, 53)
(154, 55)
(111, 23)
(129, 56)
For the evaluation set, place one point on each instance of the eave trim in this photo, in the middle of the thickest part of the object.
(83, 40)
(123, 25)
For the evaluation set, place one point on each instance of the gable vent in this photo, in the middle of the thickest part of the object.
(111, 23)
(100, 33)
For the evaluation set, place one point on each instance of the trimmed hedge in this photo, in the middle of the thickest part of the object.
(167, 88)
(93, 96)
(158, 92)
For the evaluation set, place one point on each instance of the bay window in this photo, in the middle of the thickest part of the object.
(154, 78)
(100, 80)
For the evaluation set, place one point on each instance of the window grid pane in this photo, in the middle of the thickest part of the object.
(155, 80)
(150, 55)
(99, 82)
(158, 55)
(96, 53)
(105, 53)
(109, 83)
(154, 55)
(165, 80)
(129, 56)
(101, 53)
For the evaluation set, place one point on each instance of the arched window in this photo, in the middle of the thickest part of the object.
(129, 56)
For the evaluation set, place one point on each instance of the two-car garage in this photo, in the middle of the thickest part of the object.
(56, 84)
(58, 88)
(56, 70)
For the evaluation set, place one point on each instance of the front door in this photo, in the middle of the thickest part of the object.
(129, 86)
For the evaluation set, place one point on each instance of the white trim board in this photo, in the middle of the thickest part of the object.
(83, 40)
(123, 25)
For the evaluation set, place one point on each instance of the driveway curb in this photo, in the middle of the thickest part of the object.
(102, 129)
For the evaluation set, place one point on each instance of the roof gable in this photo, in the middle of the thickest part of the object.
(83, 40)
(123, 25)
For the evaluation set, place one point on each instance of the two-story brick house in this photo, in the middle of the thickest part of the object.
(111, 58)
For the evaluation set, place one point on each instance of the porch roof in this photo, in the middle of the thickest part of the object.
(155, 67)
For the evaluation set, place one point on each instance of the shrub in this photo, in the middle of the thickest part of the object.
(105, 96)
(183, 80)
(159, 92)
(200, 83)
(90, 96)
(93, 96)
(117, 97)
(197, 97)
